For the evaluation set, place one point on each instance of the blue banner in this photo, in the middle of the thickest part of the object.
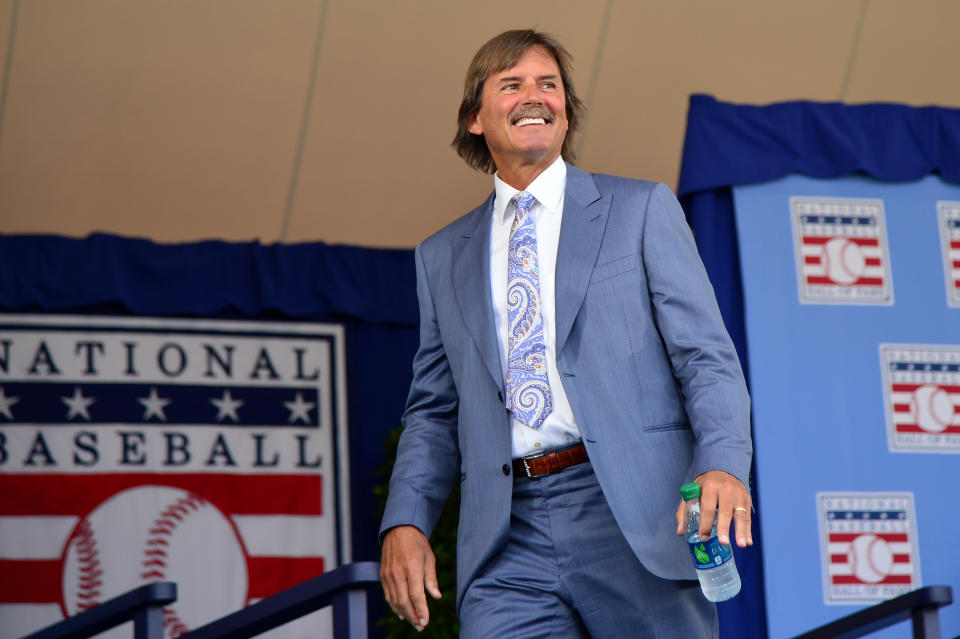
(853, 342)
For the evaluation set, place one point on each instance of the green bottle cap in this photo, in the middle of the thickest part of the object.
(690, 491)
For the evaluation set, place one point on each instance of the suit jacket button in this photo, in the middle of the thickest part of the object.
(506, 469)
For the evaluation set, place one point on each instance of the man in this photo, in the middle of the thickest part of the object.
(573, 373)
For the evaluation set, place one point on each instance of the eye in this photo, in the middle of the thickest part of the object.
(551, 86)
(513, 86)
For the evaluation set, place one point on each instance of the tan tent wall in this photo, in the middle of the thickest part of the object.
(301, 120)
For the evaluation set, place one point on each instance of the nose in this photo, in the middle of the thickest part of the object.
(532, 94)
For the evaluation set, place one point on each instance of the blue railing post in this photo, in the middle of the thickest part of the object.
(148, 624)
(926, 622)
(350, 615)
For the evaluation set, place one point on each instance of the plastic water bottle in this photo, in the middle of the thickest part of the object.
(714, 562)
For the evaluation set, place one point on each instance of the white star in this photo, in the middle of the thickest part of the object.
(78, 405)
(153, 405)
(6, 403)
(227, 406)
(299, 409)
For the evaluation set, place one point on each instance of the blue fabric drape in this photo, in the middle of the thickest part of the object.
(208, 278)
(728, 145)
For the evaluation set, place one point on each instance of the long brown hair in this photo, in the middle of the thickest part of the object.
(498, 54)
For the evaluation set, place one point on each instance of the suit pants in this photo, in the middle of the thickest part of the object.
(568, 573)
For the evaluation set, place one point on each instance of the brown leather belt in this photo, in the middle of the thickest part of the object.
(549, 462)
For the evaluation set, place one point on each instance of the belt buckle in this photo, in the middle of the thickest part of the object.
(526, 459)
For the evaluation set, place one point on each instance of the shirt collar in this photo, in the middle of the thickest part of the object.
(547, 188)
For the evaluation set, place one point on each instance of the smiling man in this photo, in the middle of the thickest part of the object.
(573, 372)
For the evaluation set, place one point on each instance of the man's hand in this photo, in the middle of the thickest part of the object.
(725, 496)
(407, 566)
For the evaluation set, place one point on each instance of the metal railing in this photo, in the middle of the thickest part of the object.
(143, 606)
(920, 606)
(345, 588)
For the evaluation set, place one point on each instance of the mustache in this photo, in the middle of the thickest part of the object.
(532, 111)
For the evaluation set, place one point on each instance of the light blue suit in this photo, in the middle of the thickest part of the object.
(651, 375)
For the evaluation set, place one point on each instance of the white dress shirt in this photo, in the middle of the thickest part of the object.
(559, 428)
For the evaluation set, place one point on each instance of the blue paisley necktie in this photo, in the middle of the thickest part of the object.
(528, 391)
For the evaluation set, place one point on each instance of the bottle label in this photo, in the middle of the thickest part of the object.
(710, 554)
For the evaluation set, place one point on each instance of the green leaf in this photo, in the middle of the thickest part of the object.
(701, 554)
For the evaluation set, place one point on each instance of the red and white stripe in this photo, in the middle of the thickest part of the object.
(953, 264)
(841, 569)
(816, 268)
(904, 408)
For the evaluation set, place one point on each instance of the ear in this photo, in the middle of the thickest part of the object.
(474, 126)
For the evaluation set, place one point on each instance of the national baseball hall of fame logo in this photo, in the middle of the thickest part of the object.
(868, 546)
(841, 251)
(921, 396)
(949, 217)
(136, 450)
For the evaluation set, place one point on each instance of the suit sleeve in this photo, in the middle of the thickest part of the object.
(428, 458)
(703, 358)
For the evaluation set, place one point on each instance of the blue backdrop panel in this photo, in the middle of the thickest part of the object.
(728, 145)
(819, 407)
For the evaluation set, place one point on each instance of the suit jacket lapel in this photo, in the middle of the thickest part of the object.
(471, 279)
(584, 220)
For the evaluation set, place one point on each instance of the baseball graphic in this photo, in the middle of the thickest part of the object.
(148, 534)
(843, 260)
(871, 558)
(932, 408)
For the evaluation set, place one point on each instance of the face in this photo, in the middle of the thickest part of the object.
(523, 115)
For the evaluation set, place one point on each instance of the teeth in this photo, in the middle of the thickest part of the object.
(526, 121)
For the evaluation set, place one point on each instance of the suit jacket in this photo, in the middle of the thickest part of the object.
(652, 377)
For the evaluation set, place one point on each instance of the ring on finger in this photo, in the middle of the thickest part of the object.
(741, 509)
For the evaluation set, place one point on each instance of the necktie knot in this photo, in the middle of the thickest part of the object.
(523, 201)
